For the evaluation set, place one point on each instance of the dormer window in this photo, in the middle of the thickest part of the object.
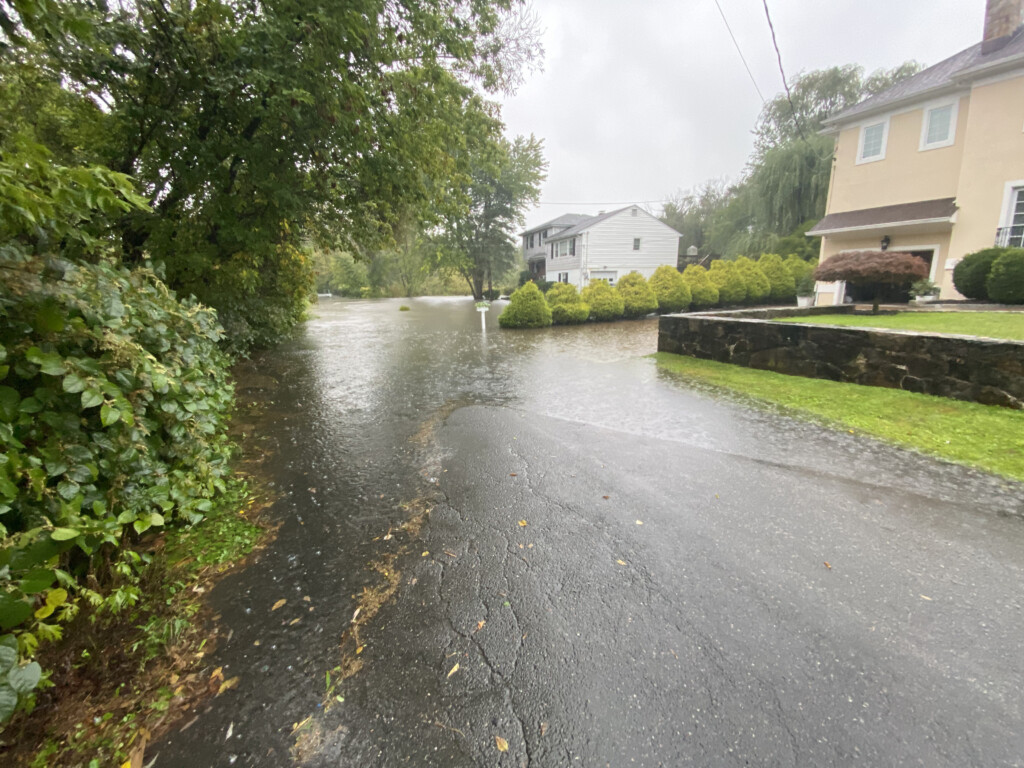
(633, 212)
(939, 126)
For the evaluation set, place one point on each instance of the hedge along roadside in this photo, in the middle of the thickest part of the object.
(114, 401)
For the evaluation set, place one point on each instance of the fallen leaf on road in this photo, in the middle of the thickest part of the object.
(278, 604)
(480, 624)
(501, 744)
(425, 553)
(925, 597)
(639, 522)
(827, 565)
(227, 685)
(512, 474)
(293, 622)
(359, 649)
(356, 614)
(306, 598)
(621, 562)
(453, 670)
(217, 674)
(522, 523)
(606, 497)
(543, 728)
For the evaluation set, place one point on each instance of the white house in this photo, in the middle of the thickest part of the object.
(535, 241)
(610, 245)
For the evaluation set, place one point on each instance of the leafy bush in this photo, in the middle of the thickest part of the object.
(526, 309)
(702, 290)
(570, 314)
(562, 293)
(114, 400)
(924, 288)
(873, 268)
(638, 298)
(781, 280)
(671, 290)
(732, 288)
(1006, 280)
(544, 285)
(492, 295)
(605, 302)
(758, 287)
(802, 272)
(970, 275)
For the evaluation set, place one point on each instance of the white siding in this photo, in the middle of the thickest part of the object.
(608, 245)
(555, 264)
(541, 247)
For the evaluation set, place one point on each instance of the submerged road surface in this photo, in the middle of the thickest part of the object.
(535, 549)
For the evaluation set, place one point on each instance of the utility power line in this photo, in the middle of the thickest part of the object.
(740, 52)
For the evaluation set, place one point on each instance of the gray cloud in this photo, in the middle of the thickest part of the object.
(640, 99)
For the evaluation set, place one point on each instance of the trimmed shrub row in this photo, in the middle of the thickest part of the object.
(742, 281)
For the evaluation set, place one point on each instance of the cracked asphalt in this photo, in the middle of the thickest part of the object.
(616, 569)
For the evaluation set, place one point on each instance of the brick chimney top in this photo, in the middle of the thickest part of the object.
(1002, 17)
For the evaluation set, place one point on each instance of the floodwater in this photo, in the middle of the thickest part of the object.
(372, 414)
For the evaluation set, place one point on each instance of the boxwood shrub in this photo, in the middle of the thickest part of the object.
(526, 309)
(758, 287)
(703, 291)
(1006, 280)
(671, 290)
(567, 308)
(605, 302)
(638, 298)
(780, 279)
(970, 275)
(732, 288)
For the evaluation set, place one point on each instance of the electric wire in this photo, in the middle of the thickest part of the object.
(740, 52)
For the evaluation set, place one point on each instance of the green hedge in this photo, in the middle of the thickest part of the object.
(780, 279)
(759, 289)
(526, 309)
(570, 314)
(605, 302)
(114, 399)
(970, 275)
(702, 290)
(732, 288)
(671, 290)
(637, 297)
(1006, 280)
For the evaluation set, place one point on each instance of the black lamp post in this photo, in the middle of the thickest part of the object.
(885, 243)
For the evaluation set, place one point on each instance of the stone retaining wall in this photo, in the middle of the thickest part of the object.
(961, 367)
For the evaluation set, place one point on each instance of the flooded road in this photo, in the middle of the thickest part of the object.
(535, 549)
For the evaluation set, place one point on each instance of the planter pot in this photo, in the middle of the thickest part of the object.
(805, 301)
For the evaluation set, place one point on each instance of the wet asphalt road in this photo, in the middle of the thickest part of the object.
(697, 582)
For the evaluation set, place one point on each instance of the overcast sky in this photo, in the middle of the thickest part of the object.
(642, 98)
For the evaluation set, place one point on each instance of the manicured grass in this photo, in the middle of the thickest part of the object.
(982, 436)
(996, 325)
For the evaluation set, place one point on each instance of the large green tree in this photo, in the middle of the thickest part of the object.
(503, 179)
(252, 126)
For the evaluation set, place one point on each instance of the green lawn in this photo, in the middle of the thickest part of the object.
(996, 325)
(982, 436)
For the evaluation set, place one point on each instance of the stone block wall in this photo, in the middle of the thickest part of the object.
(961, 367)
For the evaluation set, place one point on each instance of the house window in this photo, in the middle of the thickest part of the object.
(872, 142)
(604, 274)
(572, 247)
(636, 243)
(563, 277)
(561, 248)
(544, 235)
(938, 128)
(1012, 233)
(634, 212)
(531, 241)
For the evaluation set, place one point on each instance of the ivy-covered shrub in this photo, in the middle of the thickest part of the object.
(780, 279)
(638, 298)
(567, 308)
(671, 290)
(114, 399)
(732, 288)
(605, 302)
(702, 290)
(1006, 280)
(970, 275)
(758, 287)
(526, 309)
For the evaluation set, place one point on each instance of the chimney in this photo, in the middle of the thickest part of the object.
(1002, 17)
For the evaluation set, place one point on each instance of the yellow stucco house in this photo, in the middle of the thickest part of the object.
(935, 164)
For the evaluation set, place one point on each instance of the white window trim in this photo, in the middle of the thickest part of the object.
(884, 122)
(951, 140)
(1006, 217)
